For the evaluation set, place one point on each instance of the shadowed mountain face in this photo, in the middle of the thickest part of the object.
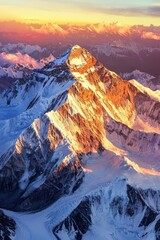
(71, 127)
(7, 227)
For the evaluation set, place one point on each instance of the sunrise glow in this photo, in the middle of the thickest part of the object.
(140, 12)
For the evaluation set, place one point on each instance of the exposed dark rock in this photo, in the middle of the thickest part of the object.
(79, 220)
(7, 227)
(157, 230)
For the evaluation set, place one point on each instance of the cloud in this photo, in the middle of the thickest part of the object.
(139, 10)
(152, 11)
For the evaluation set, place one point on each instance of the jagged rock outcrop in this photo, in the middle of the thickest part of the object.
(7, 227)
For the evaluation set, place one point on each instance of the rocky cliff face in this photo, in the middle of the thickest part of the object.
(7, 227)
(39, 169)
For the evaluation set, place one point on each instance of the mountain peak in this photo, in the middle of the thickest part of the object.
(77, 50)
(79, 57)
(76, 58)
(75, 47)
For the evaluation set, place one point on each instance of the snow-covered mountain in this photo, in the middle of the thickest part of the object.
(143, 78)
(21, 47)
(50, 28)
(18, 66)
(117, 211)
(124, 56)
(16, 71)
(115, 28)
(45, 60)
(80, 146)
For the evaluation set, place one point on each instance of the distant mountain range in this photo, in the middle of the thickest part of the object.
(122, 49)
(115, 28)
(122, 56)
(18, 66)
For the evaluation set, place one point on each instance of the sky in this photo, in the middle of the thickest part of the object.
(127, 12)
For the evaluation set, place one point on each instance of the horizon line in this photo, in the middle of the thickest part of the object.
(43, 22)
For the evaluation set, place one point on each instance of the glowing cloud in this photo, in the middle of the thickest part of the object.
(81, 11)
(151, 35)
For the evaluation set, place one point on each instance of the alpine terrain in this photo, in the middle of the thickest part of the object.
(79, 154)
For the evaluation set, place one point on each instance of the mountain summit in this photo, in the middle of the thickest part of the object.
(69, 128)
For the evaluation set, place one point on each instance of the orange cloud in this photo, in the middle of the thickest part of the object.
(151, 35)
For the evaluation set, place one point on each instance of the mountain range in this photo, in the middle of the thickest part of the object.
(79, 154)
(131, 60)
(14, 66)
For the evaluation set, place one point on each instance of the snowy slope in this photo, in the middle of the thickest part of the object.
(117, 211)
(143, 78)
(153, 94)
